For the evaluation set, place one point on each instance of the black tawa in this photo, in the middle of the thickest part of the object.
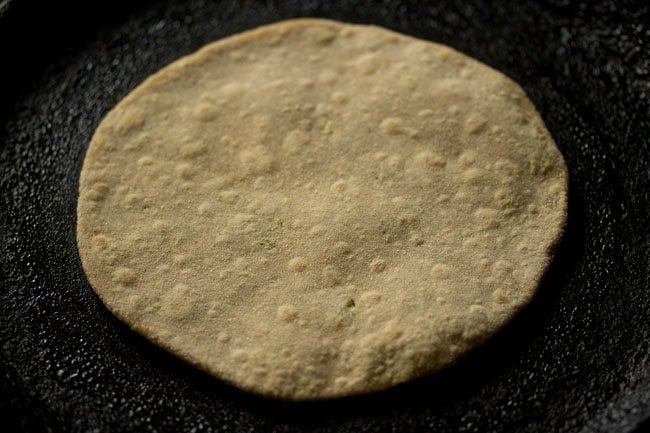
(576, 360)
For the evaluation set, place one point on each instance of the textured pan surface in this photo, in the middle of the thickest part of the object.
(582, 363)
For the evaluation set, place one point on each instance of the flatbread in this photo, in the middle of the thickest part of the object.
(312, 209)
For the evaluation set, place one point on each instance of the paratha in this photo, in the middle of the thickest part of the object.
(313, 209)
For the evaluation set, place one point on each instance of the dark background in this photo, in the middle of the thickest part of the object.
(578, 359)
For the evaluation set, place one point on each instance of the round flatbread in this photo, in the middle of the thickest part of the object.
(313, 209)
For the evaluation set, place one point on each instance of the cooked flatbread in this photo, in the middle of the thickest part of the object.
(313, 209)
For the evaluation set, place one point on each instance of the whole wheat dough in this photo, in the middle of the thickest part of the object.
(313, 209)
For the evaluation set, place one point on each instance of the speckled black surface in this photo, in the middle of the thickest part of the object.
(577, 360)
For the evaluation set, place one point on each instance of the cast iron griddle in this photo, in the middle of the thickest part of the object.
(576, 360)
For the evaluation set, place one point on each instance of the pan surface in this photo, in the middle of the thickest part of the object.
(578, 359)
